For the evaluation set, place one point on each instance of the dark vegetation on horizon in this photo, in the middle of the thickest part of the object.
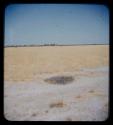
(42, 45)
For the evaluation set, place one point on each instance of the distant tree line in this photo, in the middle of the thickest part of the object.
(50, 44)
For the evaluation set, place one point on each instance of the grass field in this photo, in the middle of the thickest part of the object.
(25, 63)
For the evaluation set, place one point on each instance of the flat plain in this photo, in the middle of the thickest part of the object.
(25, 63)
(27, 95)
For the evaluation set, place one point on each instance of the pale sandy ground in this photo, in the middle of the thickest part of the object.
(85, 99)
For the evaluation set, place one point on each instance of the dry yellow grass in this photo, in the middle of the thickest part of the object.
(24, 63)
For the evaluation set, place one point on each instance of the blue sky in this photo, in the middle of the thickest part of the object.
(56, 23)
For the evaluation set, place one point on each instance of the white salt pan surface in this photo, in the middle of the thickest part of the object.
(85, 99)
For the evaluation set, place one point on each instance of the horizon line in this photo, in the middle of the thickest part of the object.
(42, 45)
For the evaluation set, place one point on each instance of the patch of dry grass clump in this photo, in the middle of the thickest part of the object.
(59, 79)
(58, 104)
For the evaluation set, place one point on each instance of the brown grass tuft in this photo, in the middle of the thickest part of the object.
(59, 104)
(59, 79)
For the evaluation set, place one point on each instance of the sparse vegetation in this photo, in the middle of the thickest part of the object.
(58, 104)
(59, 79)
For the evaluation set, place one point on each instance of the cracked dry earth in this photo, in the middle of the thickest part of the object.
(84, 99)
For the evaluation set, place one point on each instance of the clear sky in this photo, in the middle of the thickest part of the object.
(56, 23)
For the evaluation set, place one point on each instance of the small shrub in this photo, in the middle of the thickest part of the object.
(59, 104)
(59, 79)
